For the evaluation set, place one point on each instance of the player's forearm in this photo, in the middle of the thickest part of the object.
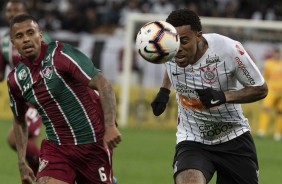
(247, 94)
(21, 136)
(107, 97)
(108, 101)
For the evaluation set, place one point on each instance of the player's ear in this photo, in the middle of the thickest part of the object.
(199, 35)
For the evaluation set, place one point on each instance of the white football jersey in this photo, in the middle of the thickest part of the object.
(224, 66)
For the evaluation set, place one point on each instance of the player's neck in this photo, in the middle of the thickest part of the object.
(201, 49)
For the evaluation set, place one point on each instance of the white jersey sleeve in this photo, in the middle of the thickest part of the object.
(246, 71)
(224, 65)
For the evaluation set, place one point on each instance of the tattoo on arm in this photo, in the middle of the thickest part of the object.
(108, 101)
(107, 97)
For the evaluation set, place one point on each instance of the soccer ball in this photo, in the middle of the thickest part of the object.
(157, 42)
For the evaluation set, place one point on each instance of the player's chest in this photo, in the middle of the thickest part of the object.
(198, 77)
(39, 83)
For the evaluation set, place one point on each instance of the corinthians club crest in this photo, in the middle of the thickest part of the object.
(209, 74)
(48, 71)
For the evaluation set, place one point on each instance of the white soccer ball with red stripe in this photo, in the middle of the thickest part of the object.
(157, 42)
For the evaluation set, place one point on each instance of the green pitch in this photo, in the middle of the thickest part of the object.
(145, 156)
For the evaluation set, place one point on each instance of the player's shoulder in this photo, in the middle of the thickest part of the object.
(59, 44)
(19, 72)
(222, 44)
(11, 77)
(11, 73)
(218, 38)
(54, 45)
(46, 37)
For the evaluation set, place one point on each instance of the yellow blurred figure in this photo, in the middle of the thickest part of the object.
(273, 102)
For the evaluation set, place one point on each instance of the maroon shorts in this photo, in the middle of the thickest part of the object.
(85, 164)
(34, 122)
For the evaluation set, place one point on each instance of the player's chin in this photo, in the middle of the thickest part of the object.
(181, 62)
(28, 54)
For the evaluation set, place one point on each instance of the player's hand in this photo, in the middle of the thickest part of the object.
(210, 97)
(27, 175)
(112, 136)
(159, 103)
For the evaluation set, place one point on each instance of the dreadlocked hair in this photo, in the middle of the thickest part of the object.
(185, 17)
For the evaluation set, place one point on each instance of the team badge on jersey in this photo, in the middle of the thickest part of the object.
(209, 74)
(22, 74)
(47, 72)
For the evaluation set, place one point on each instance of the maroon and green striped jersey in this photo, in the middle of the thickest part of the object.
(56, 85)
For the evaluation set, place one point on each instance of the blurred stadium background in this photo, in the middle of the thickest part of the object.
(105, 31)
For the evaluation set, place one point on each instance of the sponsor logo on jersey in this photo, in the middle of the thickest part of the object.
(22, 74)
(215, 129)
(26, 87)
(209, 74)
(240, 49)
(214, 102)
(183, 89)
(211, 60)
(245, 71)
(47, 72)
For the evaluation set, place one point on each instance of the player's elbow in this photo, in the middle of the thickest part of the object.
(263, 91)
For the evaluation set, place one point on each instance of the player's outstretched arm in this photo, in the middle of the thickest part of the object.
(247, 94)
(211, 97)
(112, 135)
(21, 137)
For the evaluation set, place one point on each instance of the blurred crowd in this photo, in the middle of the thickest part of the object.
(104, 16)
